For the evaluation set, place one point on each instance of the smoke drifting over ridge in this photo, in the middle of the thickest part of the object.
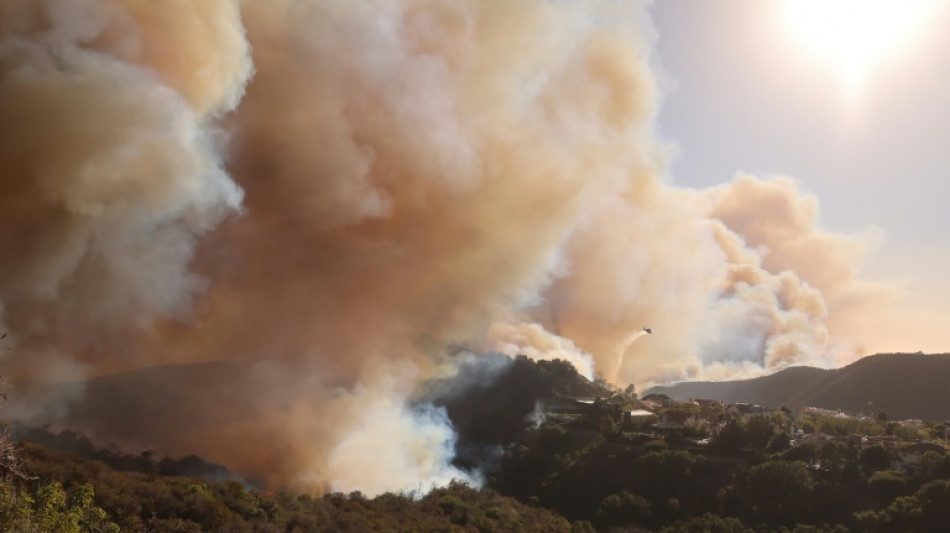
(395, 180)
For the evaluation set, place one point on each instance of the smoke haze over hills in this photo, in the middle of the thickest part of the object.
(351, 192)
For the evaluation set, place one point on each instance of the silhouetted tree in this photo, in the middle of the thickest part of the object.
(622, 509)
(731, 437)
(874, 458)
(775, 493)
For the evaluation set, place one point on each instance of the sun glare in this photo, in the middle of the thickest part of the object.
(854, 36)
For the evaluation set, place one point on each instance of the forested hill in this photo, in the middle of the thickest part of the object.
(900, 385)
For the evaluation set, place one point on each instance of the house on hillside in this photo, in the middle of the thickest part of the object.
(816, 437)
(709, 410)
(676, 418)
(818, 411)
(639, 418)
(908, 457)
(889, 441)
(660, 400)
(701, 402)
(799, 438)
(565, 405)
(706, 402)
(746, 410)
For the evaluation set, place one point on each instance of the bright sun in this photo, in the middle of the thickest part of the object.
(852, 36)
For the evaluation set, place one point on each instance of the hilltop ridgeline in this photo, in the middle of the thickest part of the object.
(901, 385)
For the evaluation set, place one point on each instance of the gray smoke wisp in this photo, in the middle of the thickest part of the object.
(331, 196)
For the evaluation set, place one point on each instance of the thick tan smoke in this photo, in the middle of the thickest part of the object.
(781, 224)
(417, 176)
(110, 168)
(532, 340)
(735, 281)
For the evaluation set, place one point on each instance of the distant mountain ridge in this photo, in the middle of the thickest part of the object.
(900, 385)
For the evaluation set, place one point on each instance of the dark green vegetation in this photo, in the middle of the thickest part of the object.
(902, 385)
(148, 502)
(595, 468)
(550, 463)
(492, 398)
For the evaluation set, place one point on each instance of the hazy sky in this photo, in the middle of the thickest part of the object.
(746, 92)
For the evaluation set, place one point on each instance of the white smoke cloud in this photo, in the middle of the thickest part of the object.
(417, 454)
(534, 341)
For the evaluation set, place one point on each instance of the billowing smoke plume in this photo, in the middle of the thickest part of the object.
(346, 192)
(110, 164)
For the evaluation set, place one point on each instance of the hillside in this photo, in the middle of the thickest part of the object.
(774, 389)
(900, 385)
